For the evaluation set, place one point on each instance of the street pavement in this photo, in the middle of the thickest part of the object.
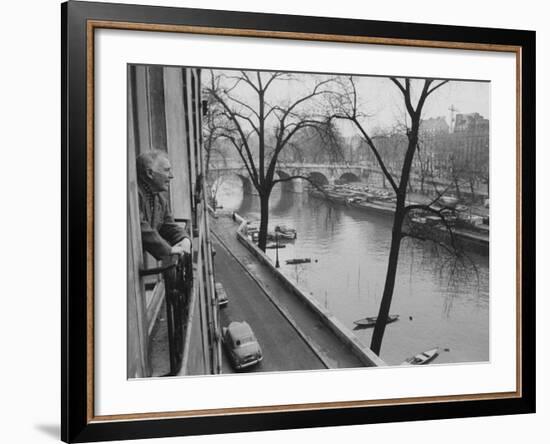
(282, 346)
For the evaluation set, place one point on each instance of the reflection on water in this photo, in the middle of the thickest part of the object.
(438, 303)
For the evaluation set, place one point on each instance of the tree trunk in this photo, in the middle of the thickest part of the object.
(385, 304)
(399, 215)
(264, 220)
(457, 188)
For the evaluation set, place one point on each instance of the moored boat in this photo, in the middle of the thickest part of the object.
(418, 220)
(286, 232)
(275, 246)
(370, 321)
(448, 201)
(298, 261)
(422, 358)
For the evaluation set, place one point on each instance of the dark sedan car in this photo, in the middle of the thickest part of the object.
(241, 344)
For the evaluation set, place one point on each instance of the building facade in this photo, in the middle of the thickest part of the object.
(164, 113)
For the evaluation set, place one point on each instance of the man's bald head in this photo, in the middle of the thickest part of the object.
(153, 167)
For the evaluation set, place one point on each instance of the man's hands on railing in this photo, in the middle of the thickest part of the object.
(170, 262)
(183, 246)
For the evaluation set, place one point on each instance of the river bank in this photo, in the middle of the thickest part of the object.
(470, 223)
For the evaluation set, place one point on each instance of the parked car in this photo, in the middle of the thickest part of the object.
(241, 345)
(221, 294)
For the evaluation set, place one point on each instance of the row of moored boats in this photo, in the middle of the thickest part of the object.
(361, 196)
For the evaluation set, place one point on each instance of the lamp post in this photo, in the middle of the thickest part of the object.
(277, 249)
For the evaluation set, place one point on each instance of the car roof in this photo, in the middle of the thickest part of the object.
(239, 329)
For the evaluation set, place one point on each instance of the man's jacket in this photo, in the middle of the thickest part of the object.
(158, 229)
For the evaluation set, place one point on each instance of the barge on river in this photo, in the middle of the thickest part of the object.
(470, 229)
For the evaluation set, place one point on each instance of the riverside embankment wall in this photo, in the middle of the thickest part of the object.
(365, 354)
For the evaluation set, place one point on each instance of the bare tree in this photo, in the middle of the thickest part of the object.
(260, 129)
(456, 173)
(347, 107)
(213, 128)
(424, 165)
(323, 144)
(463, 173)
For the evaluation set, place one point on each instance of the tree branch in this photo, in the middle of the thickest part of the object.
(251, 169)
(275, 75)
(427, 238)
(249, 82)
(373, 148)
(406, 91)
(281, 142)
(314, 93)
(247, 106)
(298, 176)
(259, 78)
(438, 213)
(248, 119)
(437, 86)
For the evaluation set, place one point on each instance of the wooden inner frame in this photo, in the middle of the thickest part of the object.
(92, 25)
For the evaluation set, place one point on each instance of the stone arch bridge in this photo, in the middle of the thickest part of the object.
(322, 174)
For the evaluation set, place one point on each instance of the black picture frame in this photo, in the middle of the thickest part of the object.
(77, 422)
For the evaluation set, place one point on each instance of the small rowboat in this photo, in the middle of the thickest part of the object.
(298, 261)
(274, 246)
(371, 321)
(422, 358)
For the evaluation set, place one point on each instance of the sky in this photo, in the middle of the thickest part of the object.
(381, 99)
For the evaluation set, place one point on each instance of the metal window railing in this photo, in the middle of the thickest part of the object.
(177, 272)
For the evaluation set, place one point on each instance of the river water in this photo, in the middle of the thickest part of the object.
(439, 304)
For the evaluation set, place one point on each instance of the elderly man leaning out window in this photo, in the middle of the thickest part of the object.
(161, 236)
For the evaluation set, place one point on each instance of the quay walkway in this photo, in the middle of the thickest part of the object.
(258, 285)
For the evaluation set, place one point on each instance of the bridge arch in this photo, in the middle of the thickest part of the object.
(349, 177)
(248, 187)
(318, 178)
(231, 190)
(287, 186)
